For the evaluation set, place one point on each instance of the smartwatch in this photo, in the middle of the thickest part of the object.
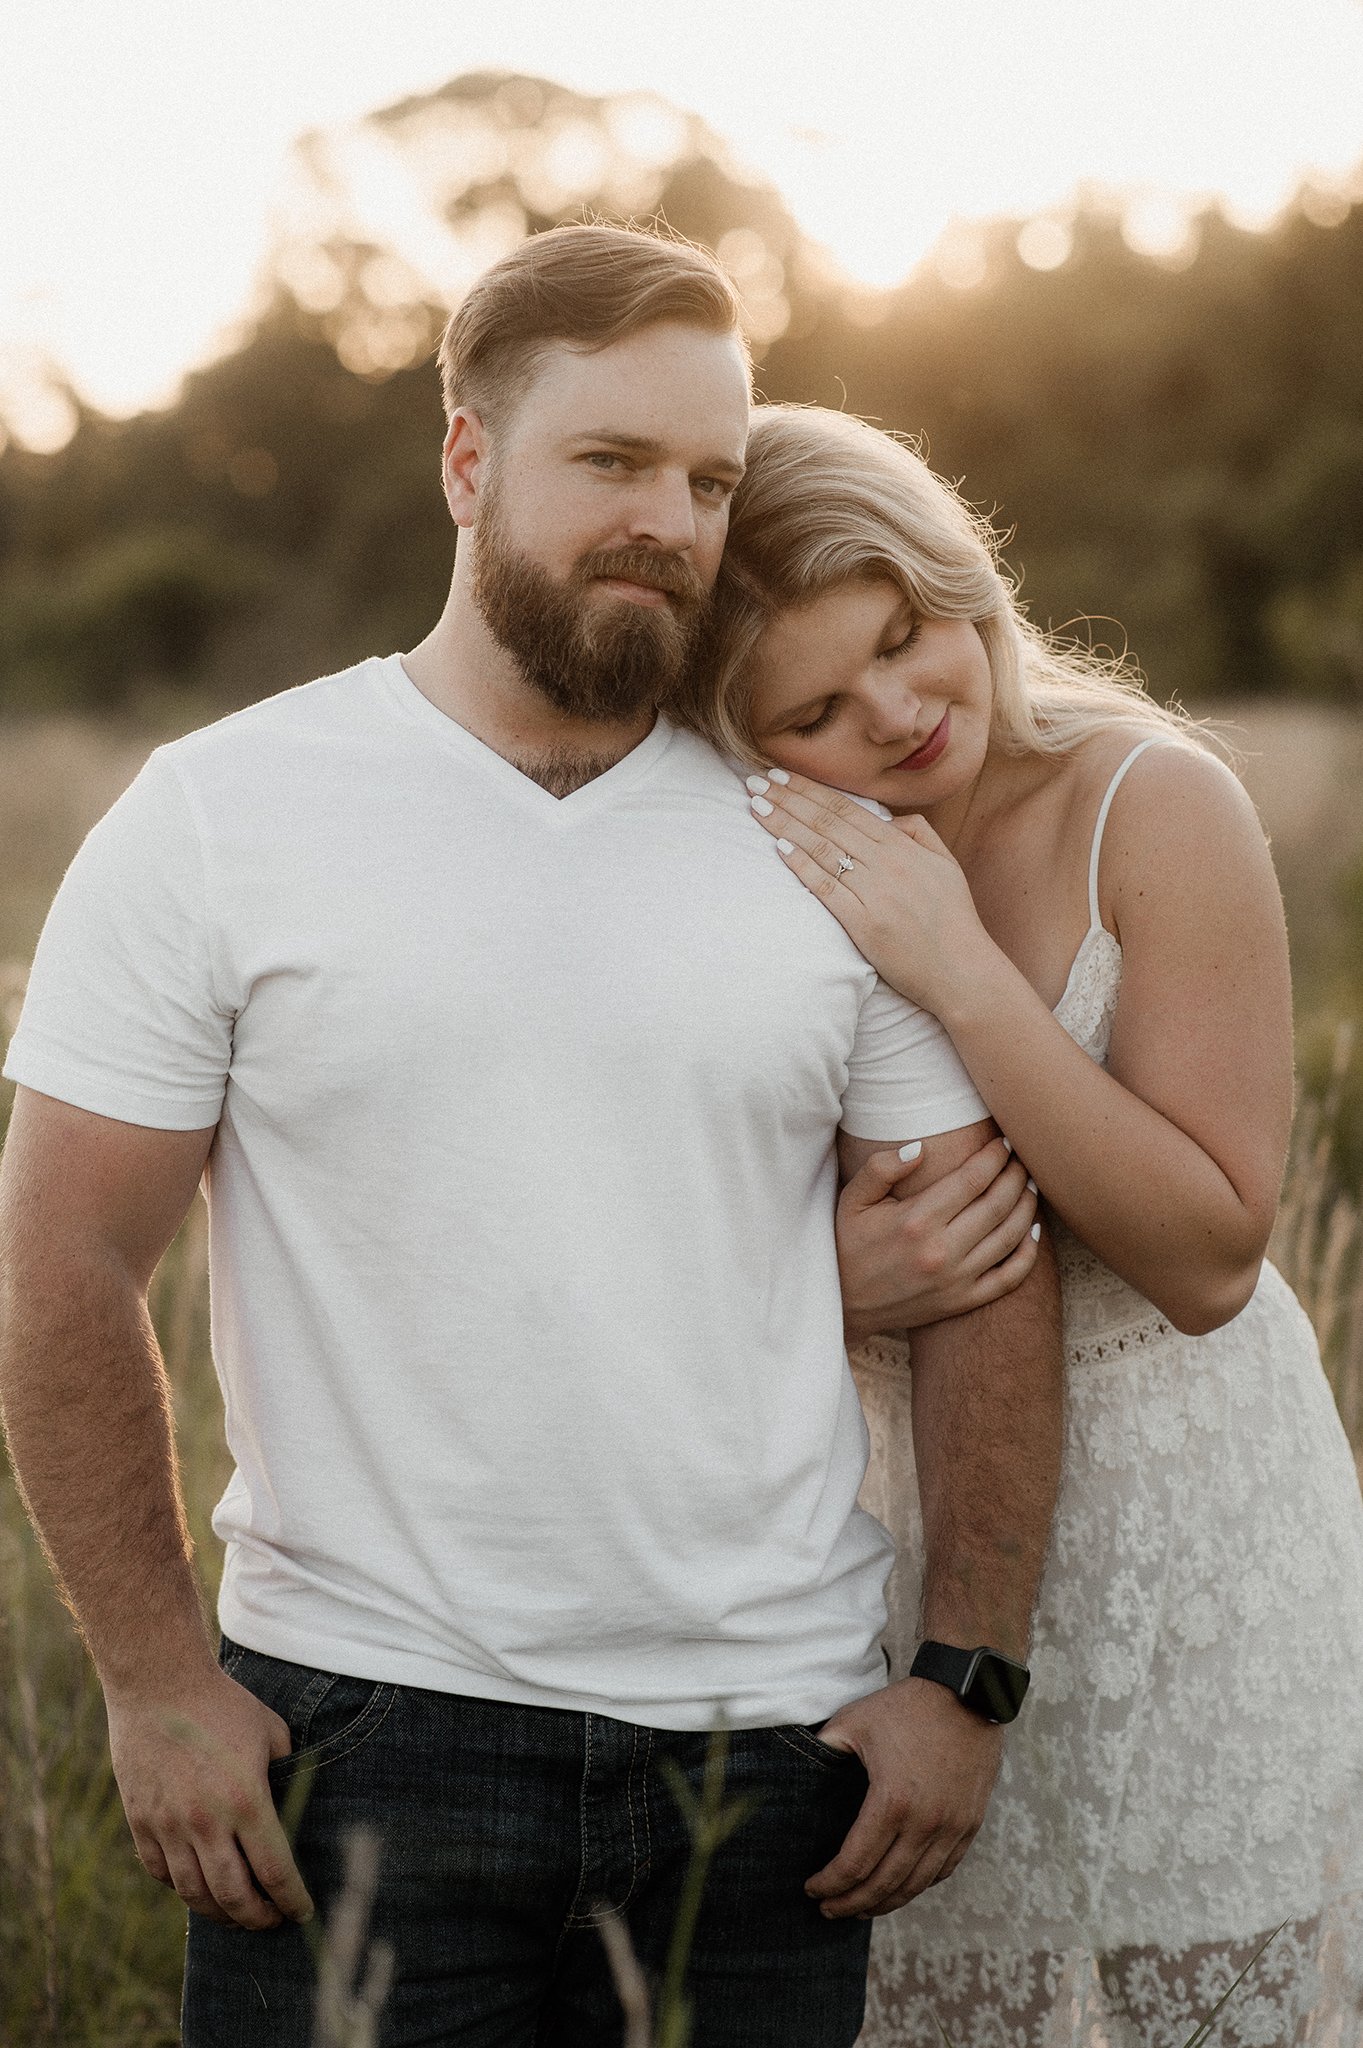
(984, 1680)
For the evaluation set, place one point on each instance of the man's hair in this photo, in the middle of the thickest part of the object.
(585, 286)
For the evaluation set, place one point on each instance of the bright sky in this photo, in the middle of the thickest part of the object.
(143, 143)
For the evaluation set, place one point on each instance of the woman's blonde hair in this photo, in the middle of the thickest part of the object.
(827, 499)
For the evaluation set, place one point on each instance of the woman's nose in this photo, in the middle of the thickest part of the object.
(891, 709)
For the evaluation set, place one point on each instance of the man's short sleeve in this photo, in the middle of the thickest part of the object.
(122, 1016)
(905, 1078)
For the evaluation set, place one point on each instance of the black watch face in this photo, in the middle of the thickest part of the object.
(996, 1687)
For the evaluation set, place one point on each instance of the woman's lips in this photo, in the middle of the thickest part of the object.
(931, 747)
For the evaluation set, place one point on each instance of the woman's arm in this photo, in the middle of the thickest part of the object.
(914, 1247)
(1169, 1163)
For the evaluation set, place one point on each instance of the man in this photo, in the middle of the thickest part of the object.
(513, 1060)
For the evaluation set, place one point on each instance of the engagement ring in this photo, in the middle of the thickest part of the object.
(845, 866)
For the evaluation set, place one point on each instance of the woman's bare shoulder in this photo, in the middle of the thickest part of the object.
(1180, 821)
(1173, 774)
(1071, 786)
(1175, 782)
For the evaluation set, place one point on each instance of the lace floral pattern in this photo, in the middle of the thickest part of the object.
(1187, 1773)
(1301, 1992)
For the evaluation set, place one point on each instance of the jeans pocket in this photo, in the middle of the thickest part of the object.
(807, 1743)
(328, 1714)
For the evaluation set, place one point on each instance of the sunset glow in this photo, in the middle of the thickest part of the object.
(146, 148)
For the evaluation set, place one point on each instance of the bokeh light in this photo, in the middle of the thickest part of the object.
(146, 147)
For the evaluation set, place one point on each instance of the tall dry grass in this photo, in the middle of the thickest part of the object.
(1318, 1243)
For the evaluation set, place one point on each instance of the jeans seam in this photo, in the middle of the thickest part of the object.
(362, 1729)
(308, 1701)
(572, 1918)
(810, 1755)
(643, 1782)
(635, 1871)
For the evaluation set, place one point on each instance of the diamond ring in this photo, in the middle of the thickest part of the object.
(845, 866)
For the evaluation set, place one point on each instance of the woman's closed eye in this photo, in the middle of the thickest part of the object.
(825, 717)
(902, 646)
(817, 724)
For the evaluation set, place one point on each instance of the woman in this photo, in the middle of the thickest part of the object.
(1082, 893)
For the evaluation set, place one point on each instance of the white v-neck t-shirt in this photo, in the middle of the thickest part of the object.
(524, 1295)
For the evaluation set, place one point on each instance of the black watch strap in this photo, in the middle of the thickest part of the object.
(984, 1680)
(944, 1665)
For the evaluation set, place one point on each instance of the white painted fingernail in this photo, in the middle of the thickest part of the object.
(761, 806)
(1007, 1144)
(1036, 1233)
(912, 1149)
(784, 846)
(1031, 1185)
(778, 775)
(758, 784)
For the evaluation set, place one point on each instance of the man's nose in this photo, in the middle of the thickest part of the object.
(664, 514)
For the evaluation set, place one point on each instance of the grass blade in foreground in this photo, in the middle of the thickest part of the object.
(710, 1822)
(348, 2009)
(631, 1986)
(1203, 2033)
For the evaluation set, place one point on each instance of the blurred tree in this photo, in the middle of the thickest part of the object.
(313, 448)
(1176, 444)
(140, 608)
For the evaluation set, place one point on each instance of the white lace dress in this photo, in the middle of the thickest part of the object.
(1187, 1771)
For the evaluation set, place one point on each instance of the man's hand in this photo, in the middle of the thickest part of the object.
(932, 1766)
(912, 1256)
(191, 1765)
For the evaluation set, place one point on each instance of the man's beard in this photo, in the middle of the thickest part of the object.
(591, 656)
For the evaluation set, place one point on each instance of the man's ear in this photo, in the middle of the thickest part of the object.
(463, 462)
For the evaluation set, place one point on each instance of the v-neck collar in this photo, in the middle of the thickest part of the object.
(447, 731)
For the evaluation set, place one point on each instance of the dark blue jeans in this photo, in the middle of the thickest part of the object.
(502, 1828)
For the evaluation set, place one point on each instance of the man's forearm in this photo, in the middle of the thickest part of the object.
(87, 1413)
(988, 1413)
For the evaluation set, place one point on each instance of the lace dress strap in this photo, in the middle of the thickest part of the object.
(1095, 921)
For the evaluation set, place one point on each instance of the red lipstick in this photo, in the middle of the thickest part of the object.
(932, 746)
